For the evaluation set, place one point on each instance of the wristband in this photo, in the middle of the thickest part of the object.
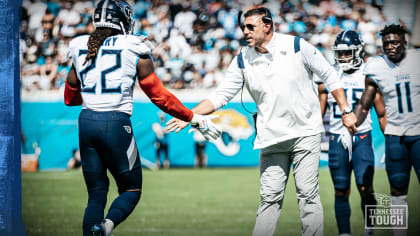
(346, 110)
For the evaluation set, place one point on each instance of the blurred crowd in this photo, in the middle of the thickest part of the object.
(194, 40)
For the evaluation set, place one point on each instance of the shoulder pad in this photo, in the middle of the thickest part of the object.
(79, 41)
(142, 45)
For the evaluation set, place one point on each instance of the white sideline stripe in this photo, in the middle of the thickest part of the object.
(132, 153)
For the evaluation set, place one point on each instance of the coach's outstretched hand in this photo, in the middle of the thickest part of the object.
(206, 127)
(202, 123)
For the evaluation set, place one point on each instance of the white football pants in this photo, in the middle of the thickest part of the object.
(275, 163)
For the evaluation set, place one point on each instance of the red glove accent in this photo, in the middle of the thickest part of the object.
(164, 99)
(72, 96)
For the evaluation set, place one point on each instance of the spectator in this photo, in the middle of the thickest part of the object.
(184, 20)
(47, 44)
(68, 18)
(48, 73)
(35, 10)
(30, 74)
(47, 21)
(195, 31)
(75, 161)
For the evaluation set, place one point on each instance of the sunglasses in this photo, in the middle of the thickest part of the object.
(251, 27)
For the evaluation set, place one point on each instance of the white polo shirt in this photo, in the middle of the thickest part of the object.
(280, 83)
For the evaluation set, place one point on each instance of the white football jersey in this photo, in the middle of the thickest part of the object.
(400, 87)
(108, 80)
(353, 87)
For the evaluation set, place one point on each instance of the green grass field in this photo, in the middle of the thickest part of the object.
(213, 201)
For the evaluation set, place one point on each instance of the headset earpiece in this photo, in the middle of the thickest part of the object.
(240, 21)
(267, 17)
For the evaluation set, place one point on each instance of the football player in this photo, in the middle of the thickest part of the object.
(105, 67)
(397, 76)
(349, 55)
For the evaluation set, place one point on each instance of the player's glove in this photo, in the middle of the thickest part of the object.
(206, 127)
(346, 140)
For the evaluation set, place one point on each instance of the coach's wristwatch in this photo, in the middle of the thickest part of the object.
(346, 110)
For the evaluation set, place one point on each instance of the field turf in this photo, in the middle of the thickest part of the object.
(212, 201)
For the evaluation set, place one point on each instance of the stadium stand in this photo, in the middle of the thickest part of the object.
(194, 40)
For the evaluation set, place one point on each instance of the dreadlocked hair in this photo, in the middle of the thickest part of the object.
(96, 39)
(393, 29)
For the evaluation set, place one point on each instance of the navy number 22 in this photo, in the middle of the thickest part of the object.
(116, 66)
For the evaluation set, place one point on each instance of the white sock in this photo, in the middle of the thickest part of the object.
(109, 226)
(399, 200)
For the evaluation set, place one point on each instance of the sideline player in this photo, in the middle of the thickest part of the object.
(161, 142)
(105, 66)
(349, 55)
(397, 76)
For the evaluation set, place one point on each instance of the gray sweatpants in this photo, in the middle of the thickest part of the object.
(275, 162)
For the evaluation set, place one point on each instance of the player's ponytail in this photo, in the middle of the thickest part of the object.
(96, 39)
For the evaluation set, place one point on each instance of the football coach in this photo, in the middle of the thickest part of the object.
(277, 70)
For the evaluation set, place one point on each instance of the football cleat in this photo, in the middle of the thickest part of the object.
(98, 230)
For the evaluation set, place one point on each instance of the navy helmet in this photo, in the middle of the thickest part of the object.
(115, 14)
(348, 50)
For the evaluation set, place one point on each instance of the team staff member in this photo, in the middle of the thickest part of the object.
(397, 76)
(349, 53)
(277, 71)
(105, 66)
